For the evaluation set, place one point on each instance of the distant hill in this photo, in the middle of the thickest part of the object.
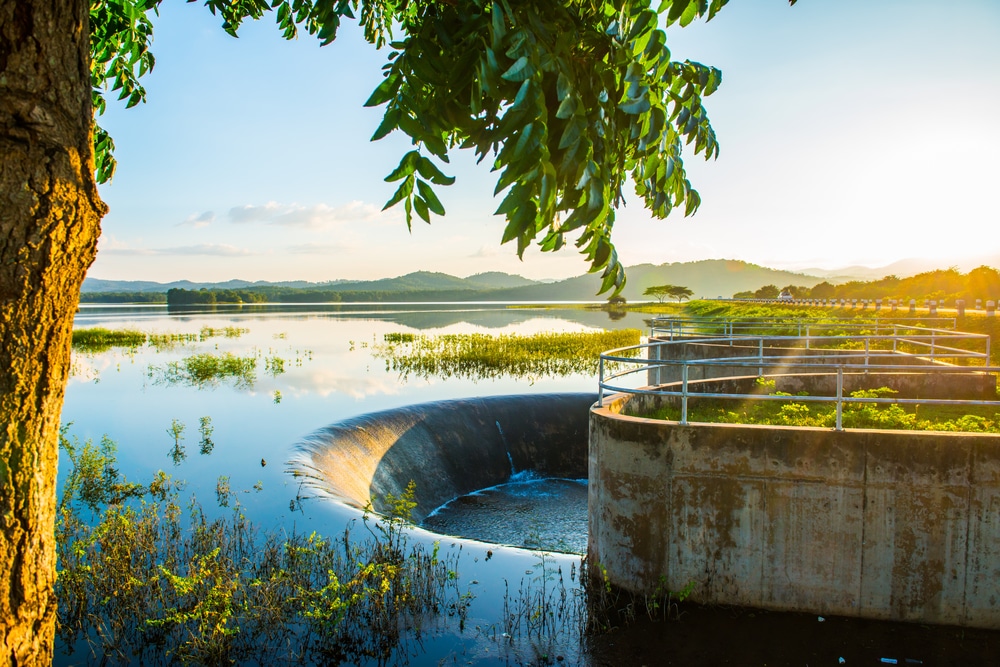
(98, 285)
(707, 278)
(904, 268)
(498, 280)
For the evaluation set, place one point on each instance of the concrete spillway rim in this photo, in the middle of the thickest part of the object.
(571, 415)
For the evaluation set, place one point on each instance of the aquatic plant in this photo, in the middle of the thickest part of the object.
(206, 429)
(143, 581)
(206, 369)
(482, 356)
(177, 451)
(96, 340)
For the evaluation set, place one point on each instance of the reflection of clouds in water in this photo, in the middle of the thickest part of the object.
(324, 383)
(88, 368)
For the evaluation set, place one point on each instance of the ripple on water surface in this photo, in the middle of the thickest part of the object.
(527, 511)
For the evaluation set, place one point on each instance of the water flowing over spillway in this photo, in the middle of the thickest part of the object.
(451, 449)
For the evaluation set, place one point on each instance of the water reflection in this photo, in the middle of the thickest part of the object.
(329, 375)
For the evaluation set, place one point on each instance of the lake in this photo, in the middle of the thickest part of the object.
(328, 372)
(316, 366)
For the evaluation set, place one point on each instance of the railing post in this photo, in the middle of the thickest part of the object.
(760, 357)
(840, 398)
(684, 393)
(808, 329)
(867, 340)
(933, 345)
(600, 381)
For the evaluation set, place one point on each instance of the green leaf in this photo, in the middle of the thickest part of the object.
(519, 222)
(515, 198)
(636, 107)
(571, 135)
(567, 107)
(563, 87)
(385, 90)
(390, 121)
(521, 70)
(421, 207)
(404, 190)
(641, 24)
(429, 171)
(499, 28)
(405, 168)
(433, 203)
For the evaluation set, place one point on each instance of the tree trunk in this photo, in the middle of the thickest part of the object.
(49, 223)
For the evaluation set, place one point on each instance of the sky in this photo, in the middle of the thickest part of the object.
(852, 132)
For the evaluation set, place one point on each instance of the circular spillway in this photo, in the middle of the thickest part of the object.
(451, 449)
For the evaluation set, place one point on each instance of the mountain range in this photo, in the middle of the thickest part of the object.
(706, 278)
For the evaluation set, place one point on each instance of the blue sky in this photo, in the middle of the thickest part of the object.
(852, 132)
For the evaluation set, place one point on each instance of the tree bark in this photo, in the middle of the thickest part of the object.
(50, 215)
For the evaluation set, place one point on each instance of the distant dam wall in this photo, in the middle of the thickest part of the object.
(449, 448)
(899, 525)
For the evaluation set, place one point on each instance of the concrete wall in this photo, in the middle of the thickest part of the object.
(448, 448)
(894, 525)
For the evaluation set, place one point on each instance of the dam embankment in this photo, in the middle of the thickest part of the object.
(449, 448)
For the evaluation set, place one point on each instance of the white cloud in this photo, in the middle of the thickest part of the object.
(322, 248)
(250, 213)
(215, 249)
(486, 251)
(114, 247)
(295, 215)
(203, 219)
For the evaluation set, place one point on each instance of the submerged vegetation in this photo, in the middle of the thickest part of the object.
(147, 578)
(482, 356)
(203, 370)
(96, 340)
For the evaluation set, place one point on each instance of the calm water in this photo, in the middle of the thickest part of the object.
(329, 374)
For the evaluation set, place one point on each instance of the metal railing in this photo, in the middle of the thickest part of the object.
(912, 333)
(671, 327)
(680, 367)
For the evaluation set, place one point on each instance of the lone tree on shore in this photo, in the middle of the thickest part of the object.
(678, 292)
(569, 100)
(661, 292)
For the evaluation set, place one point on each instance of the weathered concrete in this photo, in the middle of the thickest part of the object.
(897, 525)
(449, 448)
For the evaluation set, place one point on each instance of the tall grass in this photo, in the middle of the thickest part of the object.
(95, 340)
(482, 356)
(146, 578)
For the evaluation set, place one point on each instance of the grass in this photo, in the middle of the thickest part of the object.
(482, 356)
(204, 370)
(915, 417)
(143, 580)
(207, 370)
(96, 340)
